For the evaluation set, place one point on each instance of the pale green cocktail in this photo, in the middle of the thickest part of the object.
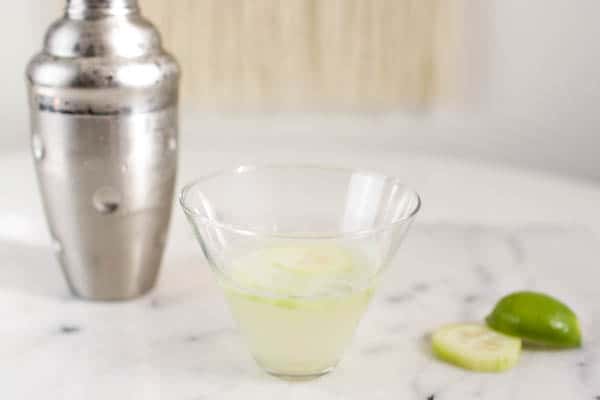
(298, 251)
(298, 307)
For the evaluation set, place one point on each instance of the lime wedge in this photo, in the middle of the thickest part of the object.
(536, 318)
(476, 347)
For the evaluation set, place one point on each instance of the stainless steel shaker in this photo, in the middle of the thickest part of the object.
(103, 99)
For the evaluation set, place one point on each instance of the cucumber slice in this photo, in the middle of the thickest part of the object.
(476, 347)
(302, 270)
(310, 260)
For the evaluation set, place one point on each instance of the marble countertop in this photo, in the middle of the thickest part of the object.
(484, 231)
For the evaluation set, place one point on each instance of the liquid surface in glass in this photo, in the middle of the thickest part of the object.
(298, 306)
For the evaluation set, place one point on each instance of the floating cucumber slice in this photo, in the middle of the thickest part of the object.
(476, 347)
(309, 260)
(303, 270)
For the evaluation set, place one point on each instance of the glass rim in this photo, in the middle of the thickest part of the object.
(245, 231)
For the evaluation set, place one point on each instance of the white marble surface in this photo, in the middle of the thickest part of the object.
(484, 231)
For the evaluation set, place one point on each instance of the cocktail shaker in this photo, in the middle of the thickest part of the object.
(103, 100)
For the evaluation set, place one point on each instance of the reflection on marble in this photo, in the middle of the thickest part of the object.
(180, 342)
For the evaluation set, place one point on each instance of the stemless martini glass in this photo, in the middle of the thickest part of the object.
(298, 251)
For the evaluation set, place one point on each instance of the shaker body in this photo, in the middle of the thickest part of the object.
(104, 139)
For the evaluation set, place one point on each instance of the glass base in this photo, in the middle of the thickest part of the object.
(299, 377)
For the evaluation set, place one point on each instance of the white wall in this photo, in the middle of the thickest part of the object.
(542, 94)
(533, 70)
(21, 33)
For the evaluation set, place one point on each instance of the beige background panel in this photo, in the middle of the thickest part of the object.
(311, 53)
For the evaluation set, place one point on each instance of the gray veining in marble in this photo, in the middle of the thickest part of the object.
(180, 342)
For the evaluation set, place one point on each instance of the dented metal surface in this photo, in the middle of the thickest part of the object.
(103, 101)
